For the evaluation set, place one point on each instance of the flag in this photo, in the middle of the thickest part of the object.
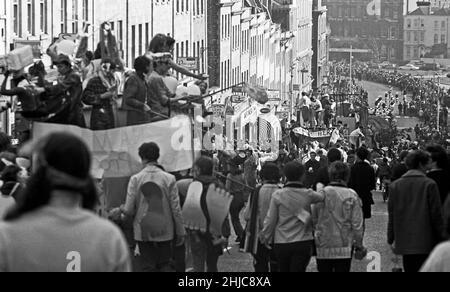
(257, 93)
(335, 136)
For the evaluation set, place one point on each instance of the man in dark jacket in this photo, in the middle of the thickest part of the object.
(439, 171)
(312, 167)
(416, 223)
(363, 180)
(400, 169)
(135, 94)
(69, 85)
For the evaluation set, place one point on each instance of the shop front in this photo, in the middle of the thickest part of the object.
(242, 127)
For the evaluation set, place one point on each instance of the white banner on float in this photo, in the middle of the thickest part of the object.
(115, 152)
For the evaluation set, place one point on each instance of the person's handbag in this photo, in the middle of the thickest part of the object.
(360, 253)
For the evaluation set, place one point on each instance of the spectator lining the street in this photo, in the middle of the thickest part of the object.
(52, 226)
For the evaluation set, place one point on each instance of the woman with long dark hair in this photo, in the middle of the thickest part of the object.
(52, 227)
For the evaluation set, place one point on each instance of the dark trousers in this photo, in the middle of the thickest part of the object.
(155, 256)
(294, 257)
(265, 260)
(334, 266)
(413, 263)
(236, 207)
(203, 253)
(179, 258)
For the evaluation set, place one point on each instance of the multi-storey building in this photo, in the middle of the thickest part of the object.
(439, 4)
(427, 33)
(371, 26)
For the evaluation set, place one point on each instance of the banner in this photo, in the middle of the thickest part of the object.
(315, 135)
(115, 152)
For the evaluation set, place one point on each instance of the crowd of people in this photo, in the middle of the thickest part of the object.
(100, 82)
(294, 207)
(306, 200)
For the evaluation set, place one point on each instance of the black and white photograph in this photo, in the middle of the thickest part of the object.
(245, 138)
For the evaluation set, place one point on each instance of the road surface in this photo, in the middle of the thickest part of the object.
(376, 233)
(375, 241)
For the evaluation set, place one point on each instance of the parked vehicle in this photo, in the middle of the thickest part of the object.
(409, 67)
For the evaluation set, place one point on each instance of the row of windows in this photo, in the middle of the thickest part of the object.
(40, 8)
(198, 6)
(356, 11)
(420, 36)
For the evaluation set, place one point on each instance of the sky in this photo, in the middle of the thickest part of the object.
(412, 5)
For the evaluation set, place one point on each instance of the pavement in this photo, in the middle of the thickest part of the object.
(375, 241)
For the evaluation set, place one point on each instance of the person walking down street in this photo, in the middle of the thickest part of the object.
(363, 180)
(154, 204)
(235, 185)
(323, 176)
(53, 227)
(250, 169)
(255, 214)
(135, 94)
(400, 169)
(415, 213)
(205, 247)
(100, 94)
(312, 167)
(384, 173)
(338, 223)
(288, 224)
(440, 170)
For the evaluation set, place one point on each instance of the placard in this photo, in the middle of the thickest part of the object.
(189, 63)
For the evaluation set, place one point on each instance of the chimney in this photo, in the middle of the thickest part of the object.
(425, 6)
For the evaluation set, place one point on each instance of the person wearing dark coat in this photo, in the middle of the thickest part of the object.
(400, 169)
(416, 224)
(100, 93)
(312, 167)
(135, 94)
(439, 171)
(69, 85)
(363, 181)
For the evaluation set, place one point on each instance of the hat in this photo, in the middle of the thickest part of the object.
(63, 59)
